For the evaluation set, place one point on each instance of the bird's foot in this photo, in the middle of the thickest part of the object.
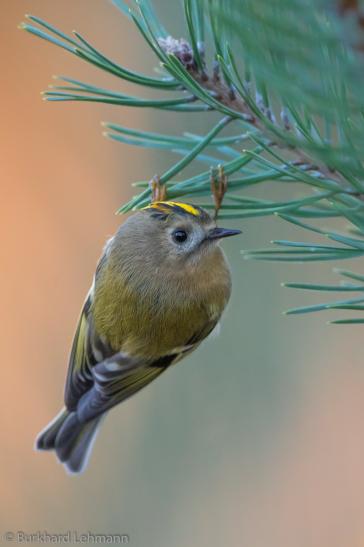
(158, 190)
(219, 184)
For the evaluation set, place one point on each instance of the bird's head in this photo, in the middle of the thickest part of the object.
(176, 231)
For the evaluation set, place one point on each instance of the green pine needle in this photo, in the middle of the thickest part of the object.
(289, 78)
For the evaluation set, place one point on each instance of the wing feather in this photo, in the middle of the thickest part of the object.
(92, 393)
(103, 396)
(79, 375)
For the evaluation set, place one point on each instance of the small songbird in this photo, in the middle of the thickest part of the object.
(160, 288)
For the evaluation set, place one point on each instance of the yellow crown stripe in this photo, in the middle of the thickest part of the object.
(185, 206)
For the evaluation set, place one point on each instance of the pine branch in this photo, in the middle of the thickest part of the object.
(285, 76)
(351, 10)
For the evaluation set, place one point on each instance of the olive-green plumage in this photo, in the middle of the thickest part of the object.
(160, 288)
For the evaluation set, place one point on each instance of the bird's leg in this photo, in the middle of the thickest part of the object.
(219, 186)
(159, 192)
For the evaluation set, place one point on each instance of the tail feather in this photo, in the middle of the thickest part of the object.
(47, 438)
(67, 436)
(71, 440)
(82, 446)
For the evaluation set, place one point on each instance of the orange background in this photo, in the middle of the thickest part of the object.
(257, 440)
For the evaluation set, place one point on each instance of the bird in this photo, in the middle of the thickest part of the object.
(160, 288)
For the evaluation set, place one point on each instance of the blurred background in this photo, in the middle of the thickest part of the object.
(258, 438)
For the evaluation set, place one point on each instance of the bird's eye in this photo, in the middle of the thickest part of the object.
(179, 236)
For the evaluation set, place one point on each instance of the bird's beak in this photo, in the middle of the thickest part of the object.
(218, 233)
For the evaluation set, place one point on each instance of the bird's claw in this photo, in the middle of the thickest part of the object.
(219, 184)
(158, 189)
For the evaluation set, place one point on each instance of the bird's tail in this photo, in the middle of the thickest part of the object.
(71, 440)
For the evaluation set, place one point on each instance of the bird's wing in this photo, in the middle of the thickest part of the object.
(120, 376)
(88, 378)
(88, 354)
(115, 380)
(87, 350)
(79, 376)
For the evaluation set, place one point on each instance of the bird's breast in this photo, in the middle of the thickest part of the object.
(150, 316)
